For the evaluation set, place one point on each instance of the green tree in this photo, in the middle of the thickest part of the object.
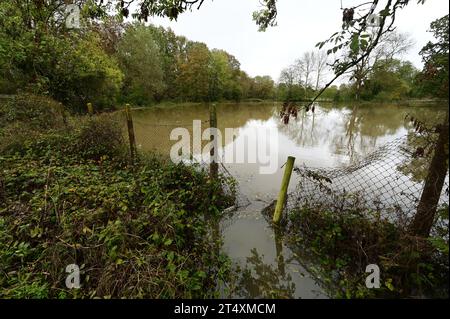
(194, 75)
(140, 60)
(79, 71)
(389, 80)
(433, 80)
(263, 87)
(172, 48)
(38, 54)
(225, 70)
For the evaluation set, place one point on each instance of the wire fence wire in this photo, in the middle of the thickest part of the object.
(149, 134)
(385, 182)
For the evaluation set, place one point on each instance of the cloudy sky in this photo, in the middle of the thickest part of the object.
(228, 25)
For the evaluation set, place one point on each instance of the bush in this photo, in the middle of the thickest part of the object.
(32, 111)
(100, 136)
(135, 233)
(343, 243)
(68, 197)
(36, 124)
(26, 117)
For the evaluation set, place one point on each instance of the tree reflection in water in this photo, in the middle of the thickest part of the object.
(262, 280)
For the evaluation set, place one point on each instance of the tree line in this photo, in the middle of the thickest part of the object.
(380, 76)
(108, 61)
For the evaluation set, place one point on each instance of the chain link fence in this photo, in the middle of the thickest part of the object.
(388, 181)
(154, 136)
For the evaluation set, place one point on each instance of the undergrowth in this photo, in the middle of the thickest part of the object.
(338, 246)
(68, 195)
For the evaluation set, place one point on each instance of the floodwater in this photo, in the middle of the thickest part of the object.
(332, 136)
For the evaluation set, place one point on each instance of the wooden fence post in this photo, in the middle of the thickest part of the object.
(131, 136)
(90, 108)
(283, 191)
(214, 166)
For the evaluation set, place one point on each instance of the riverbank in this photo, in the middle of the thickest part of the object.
(70, 198)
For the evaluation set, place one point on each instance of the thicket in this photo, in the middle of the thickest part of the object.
(337, 246)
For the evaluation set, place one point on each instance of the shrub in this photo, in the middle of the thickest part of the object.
(31, 111)
(135, 233)
(343, 243)
(24, 118)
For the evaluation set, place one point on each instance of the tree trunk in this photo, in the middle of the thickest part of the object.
(426, 210)
(358, 88)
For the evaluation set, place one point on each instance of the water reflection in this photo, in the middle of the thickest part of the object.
(268, 269)
(342, 132)
(262, 280)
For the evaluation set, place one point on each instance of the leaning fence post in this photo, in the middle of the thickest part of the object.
(214, 166)
(131, 136)
(284, 188)
(90, 108)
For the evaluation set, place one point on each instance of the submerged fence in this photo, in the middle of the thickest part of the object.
(215, 168)
(388, 182)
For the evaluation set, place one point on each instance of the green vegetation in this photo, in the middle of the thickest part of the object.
(433, 80)
(108, 62)
(69, 196)
(340, 244)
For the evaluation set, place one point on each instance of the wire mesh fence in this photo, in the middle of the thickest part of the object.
(388, 181)
(149, 138)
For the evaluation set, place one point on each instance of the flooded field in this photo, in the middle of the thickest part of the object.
(332, 136)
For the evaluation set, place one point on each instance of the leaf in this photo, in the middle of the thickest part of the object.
(384, 12)
(354, 45)
(389, 285)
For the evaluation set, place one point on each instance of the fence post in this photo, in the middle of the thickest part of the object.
(63, 113)
(90, 108)
(284, 188)
(131, 136)
(214, 166)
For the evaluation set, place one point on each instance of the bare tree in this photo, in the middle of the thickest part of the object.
(320, 67)
(391, 45)
(306, 65)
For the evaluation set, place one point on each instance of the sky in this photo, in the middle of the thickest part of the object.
(228, 25)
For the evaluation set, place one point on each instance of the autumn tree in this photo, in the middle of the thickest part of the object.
(194, 76)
